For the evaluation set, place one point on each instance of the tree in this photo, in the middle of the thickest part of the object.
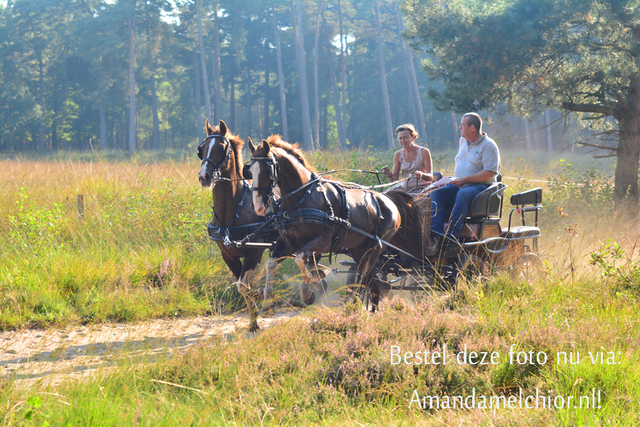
(578, 55)
(296, 13)
(383, 82)
(203, 63)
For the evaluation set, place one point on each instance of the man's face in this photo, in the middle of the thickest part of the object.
(465, 130)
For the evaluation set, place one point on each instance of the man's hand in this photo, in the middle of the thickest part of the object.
(444, 181)
(482, 176)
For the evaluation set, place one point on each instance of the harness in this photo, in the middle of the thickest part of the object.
(232, 236)
(223, 162)
(274, 174)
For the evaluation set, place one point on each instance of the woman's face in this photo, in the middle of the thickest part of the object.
(405, 138)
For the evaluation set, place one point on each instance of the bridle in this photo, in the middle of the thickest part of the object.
(274, 174)
(216, 166)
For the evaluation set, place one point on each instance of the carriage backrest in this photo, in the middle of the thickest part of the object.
(529, 197)
(488, 203)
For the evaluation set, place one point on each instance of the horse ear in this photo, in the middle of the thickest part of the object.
(208, 127)
(265, 146)
(223, 128)
(252, 147)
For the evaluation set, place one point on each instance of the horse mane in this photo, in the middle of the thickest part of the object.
(275, 141)
(236, 145)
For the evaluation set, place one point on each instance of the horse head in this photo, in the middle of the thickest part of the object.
(219, 154)
(265, 173)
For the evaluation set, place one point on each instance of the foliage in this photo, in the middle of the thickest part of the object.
(618, 266)
(578, 189)
(575, 55)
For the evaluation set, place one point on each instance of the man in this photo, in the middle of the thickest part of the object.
(477, 164)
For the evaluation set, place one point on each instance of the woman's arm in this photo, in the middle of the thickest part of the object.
(426, 174)
(393, 176)
(396, 166)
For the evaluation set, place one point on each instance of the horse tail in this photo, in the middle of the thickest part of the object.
(414, 235)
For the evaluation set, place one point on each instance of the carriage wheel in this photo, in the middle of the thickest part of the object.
(527, 267)
(472, 267)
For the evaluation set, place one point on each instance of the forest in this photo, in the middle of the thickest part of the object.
(131, 75)
(143, 75)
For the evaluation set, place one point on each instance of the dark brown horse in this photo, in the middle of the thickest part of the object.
(233, 214)
(320, 216)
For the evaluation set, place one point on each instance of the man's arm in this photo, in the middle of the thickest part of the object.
(483, 175)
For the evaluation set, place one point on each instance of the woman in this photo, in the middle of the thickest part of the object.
(414, 162)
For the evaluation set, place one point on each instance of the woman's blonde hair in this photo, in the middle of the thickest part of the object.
(409, 127)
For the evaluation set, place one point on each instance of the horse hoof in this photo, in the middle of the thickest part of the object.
(268, 309)
(324, 286)
(254, 328)
(311, 299)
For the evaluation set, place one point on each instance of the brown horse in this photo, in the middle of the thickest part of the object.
(320, 216)
(233, 214)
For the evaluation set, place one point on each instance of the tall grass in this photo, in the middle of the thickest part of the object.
(140, 250)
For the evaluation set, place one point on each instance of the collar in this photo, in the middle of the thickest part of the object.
(481, 139)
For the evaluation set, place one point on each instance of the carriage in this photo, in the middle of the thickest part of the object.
(484, 248)
(384, 234)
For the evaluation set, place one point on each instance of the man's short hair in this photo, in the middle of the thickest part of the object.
(409, 127)
(473, 119)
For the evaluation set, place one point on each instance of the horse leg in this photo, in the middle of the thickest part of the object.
(242, 283)
(269, 304)
(250, 298)
(308, 297)
(366, 259)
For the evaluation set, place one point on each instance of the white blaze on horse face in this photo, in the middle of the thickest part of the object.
(203, 169)
(258, 206)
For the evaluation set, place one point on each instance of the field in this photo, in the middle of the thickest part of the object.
(134, 248)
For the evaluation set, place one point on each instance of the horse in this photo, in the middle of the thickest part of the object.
(318, 216)
(233, 215)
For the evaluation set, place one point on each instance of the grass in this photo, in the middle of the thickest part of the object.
(140, 251)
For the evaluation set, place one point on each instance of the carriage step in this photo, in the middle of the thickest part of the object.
(522, 232)
(348, 263)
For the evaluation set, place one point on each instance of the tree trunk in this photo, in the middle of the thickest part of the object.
(41, 102)
(249, 101)
(217, 86)
(412, 81)
(155, 139)
(283, 98)
(336, 96)
(547, 122)
(527, 134)
(307, 141)
(198, 104)
(628, 156)
(203, 63)
(316, 96)
(103, 127)
(454, 122)
(132, 86)
(343, 75)
(232, 103)
(410, 91)
(383, 82)
(267, 99)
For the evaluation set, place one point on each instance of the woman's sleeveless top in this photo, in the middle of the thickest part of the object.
(413, 184)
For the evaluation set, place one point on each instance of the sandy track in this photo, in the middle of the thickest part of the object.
(48, 357)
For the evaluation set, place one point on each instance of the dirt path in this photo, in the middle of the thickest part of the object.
(51, 356)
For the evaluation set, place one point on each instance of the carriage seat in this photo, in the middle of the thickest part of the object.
(488, 203)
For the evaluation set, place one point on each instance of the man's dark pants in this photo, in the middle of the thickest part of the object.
(452, 202)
